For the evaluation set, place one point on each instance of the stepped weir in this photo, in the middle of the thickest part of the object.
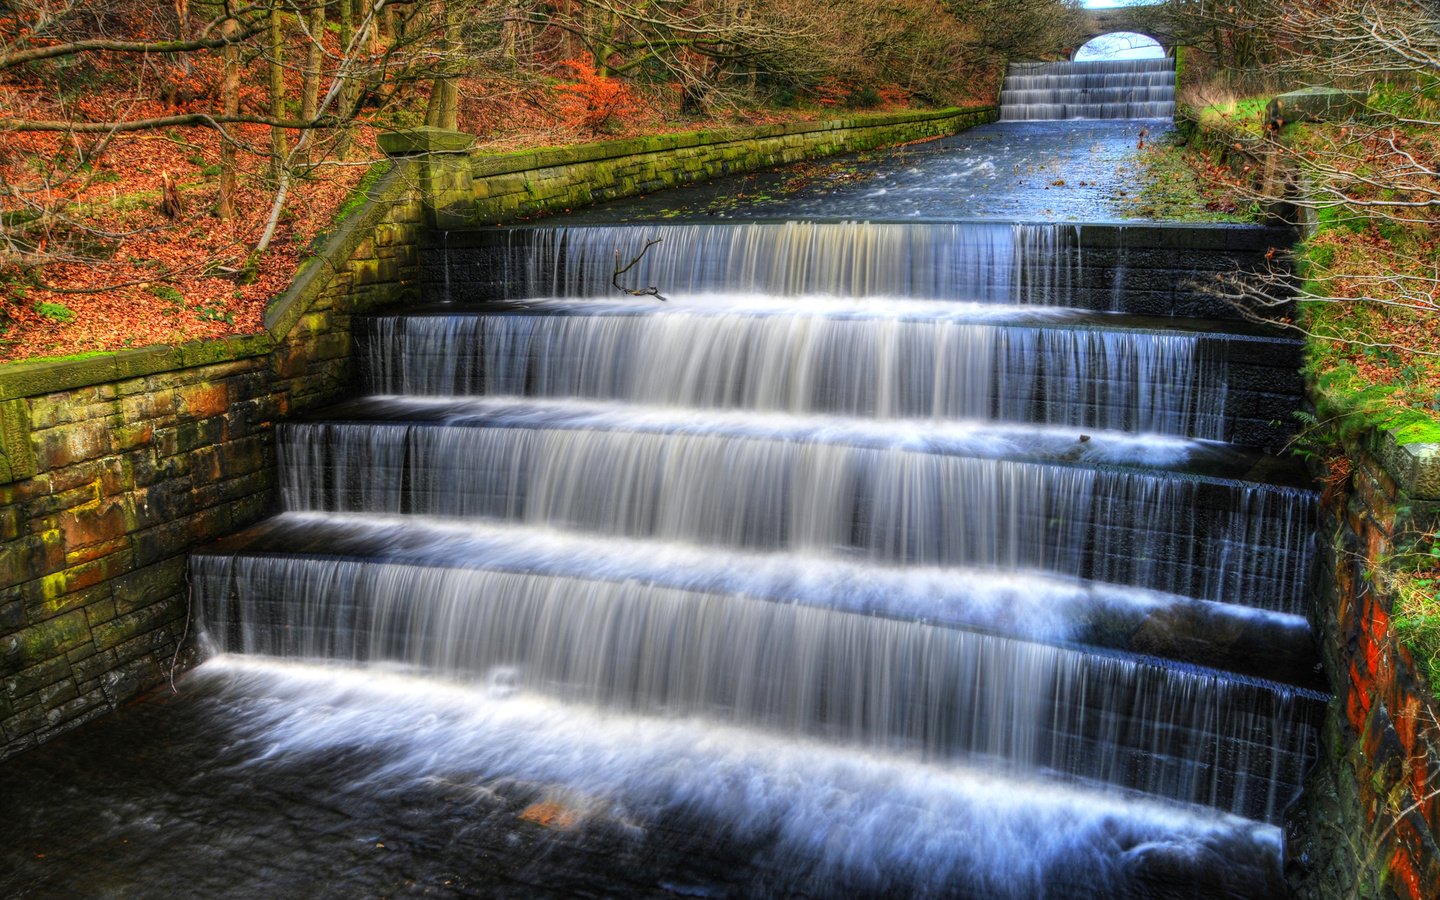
(1102, 89)
(923, 557)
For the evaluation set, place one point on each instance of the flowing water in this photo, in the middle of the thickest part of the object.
(874, 560)
(1102, 89)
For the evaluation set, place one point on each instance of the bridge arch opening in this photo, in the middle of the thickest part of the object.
(1120, 45)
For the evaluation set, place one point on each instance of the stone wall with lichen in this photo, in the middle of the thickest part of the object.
(1368, 823)
(547, 181)
(113, 467)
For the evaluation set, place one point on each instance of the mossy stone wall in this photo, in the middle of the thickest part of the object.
(114, 466)
(548, 181)
(1370, 817)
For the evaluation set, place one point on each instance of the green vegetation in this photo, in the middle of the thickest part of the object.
(1417, 606)
(1369, 293)
(56, 312)
(1176, 185)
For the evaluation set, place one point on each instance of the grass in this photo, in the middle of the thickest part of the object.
(1240, 114)
(1416, 620)
(1178, 184)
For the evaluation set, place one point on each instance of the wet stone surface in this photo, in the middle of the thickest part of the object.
(1026, 171)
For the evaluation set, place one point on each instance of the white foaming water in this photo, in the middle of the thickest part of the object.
(740, 491)
(1110, 89)
(784, 667)
(836, 820)
(855, 364)
(978, 262)
(1028, 605)
(964, 437)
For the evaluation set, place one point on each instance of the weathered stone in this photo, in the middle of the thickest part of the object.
(1316, 104)
(42, 641)
(423, 139)
(112, 634)
(149, 585)
(1415, 466)
(28, 681)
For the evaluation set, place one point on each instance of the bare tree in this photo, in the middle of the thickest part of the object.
(1377, 173)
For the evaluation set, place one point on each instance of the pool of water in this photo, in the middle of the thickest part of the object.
(268, 779)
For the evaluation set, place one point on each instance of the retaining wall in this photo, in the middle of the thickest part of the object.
(113, 467)
(1371, 812)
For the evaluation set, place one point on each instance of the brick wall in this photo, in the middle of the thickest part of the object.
(113, 467)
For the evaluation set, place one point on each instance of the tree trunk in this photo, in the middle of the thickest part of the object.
(444, 108)
(314, 58)
(230, 101)
(277, 88)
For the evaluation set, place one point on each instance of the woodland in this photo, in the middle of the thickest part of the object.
(164, 166)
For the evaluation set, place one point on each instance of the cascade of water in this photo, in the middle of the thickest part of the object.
(1027, 605)
(829, 821)
(886, 492)
(787, 667)
(696, 482)
(979, 262)
(1110, 89)
(814, 358)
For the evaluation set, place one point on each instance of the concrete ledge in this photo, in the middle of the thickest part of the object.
(1415, 467)
(1317, 104)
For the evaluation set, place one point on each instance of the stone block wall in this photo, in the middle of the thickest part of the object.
(545, 181)
(113, 467)
(1371, 813)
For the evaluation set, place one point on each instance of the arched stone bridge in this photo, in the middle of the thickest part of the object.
(1141, 20)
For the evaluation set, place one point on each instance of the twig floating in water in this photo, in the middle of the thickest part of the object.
(650, 291)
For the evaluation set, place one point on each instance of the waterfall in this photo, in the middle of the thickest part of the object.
(675, 478)
(920, 363)
(901, 559)
(1108, 89)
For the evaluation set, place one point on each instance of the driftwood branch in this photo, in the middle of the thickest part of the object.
(650, 291)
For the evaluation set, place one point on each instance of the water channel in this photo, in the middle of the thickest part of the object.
(926, 539)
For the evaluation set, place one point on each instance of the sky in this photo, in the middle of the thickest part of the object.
(1123, 45)
(1120, 45)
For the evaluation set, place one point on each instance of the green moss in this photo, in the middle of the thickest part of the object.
(1416, 624)
(358, 197)
(68, 357)
(1413, 427)
(55, 312)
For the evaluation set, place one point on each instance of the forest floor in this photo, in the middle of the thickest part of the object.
(111, 270)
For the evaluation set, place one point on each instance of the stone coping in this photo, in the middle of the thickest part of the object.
(547, 157)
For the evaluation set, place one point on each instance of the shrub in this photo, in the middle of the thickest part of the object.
(593, 101)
